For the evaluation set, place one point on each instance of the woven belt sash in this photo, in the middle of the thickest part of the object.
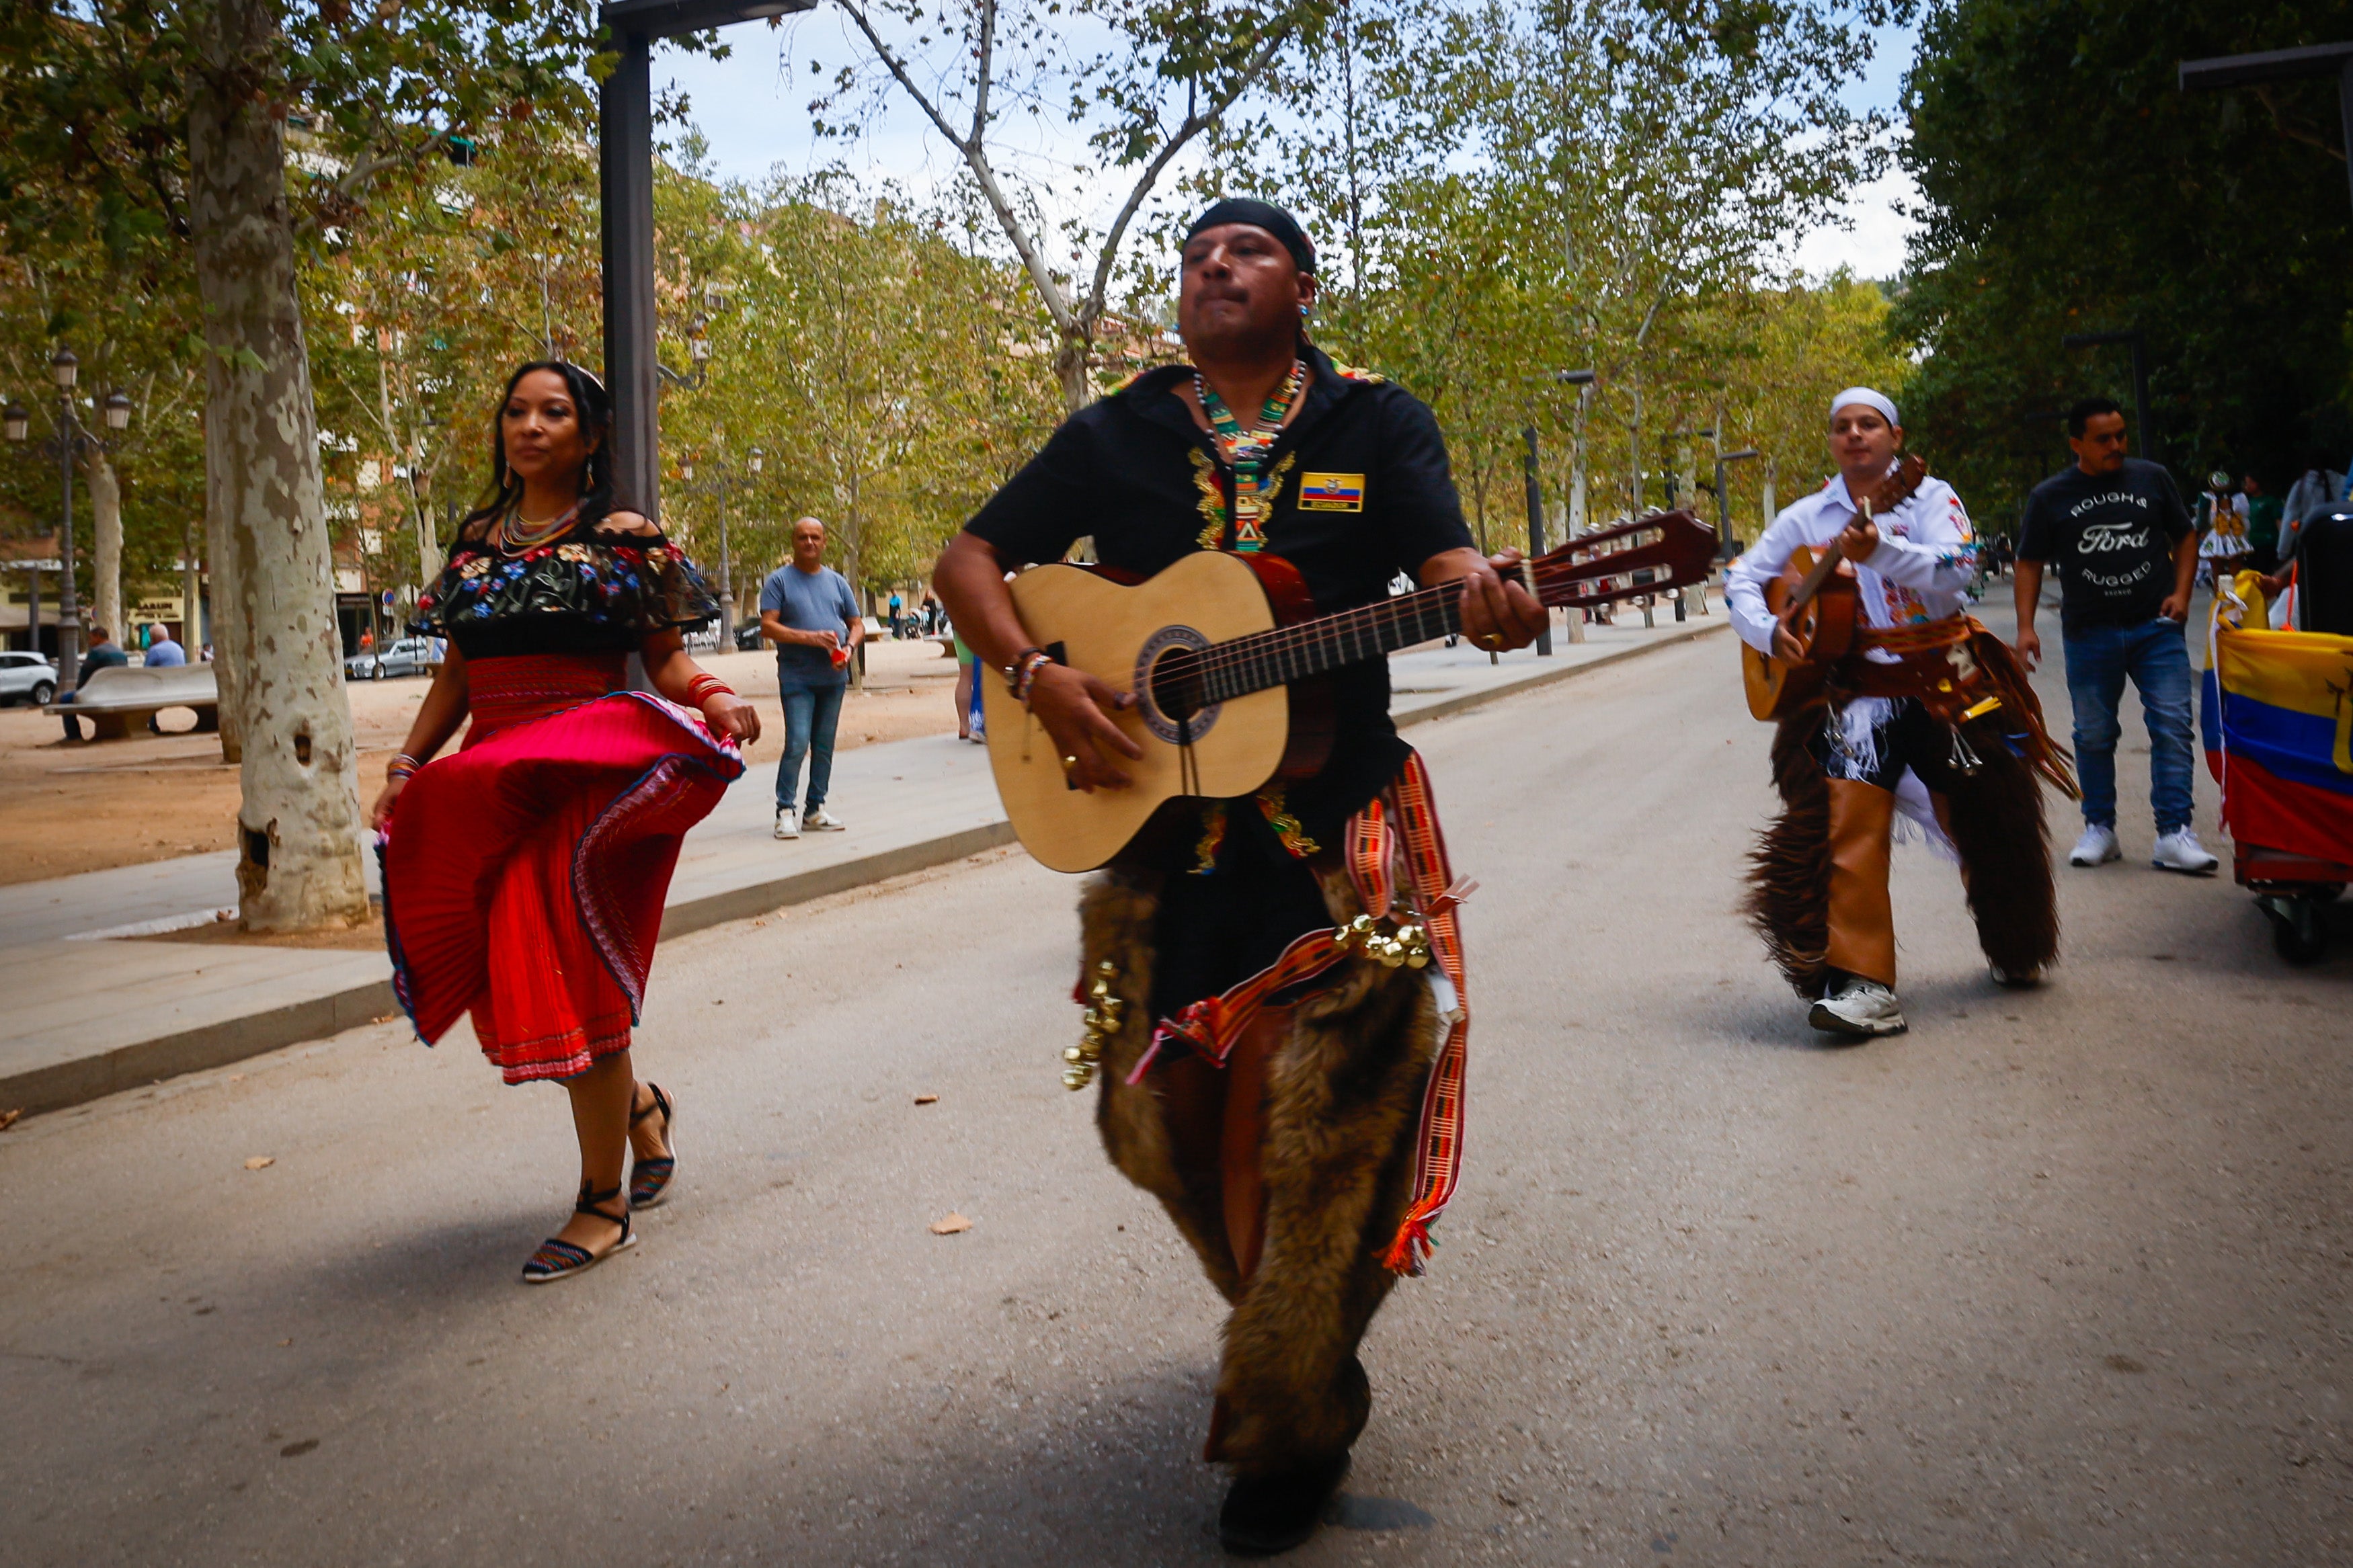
(1396, 858)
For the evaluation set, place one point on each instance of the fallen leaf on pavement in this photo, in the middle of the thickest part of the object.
(927, 1099)
(8, 1118)
(950, 1225)
(260, 1161)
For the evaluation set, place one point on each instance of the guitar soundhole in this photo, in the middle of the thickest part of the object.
(1177, 684)
(1168, 679)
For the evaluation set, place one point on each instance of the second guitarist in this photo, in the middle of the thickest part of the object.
(1275, 977)
(1928, 714)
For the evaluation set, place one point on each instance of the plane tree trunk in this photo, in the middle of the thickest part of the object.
(298, 822)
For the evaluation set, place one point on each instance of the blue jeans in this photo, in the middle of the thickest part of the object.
(812, 710)
(2156, 657)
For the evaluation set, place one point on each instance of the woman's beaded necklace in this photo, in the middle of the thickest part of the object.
(1246, 451)
(514, 542)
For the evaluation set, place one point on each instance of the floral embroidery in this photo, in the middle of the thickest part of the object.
(1213, 838)
(1272, 807)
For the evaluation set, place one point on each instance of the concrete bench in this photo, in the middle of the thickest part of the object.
(115, 699)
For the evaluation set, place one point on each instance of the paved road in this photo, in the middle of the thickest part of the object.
(2059, 1277)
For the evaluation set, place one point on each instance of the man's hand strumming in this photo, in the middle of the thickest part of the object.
(1076, 709)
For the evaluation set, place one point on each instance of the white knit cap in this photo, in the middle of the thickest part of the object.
(1868, 398)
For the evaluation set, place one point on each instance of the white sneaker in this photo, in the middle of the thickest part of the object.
(2096, 848)
(788, 823)
(820, 820)
(1859, 1007)
(2180, 851)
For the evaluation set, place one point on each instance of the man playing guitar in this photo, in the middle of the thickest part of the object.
(1927, 713)
(1284, 1142)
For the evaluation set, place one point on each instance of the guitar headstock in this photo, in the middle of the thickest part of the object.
(1649, 555)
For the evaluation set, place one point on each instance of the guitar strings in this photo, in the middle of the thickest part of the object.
(1275, 646)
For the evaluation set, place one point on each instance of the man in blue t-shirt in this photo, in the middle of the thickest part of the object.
(2121, 540)
(807, 610)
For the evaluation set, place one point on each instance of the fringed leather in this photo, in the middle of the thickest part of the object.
(1789, 870)
(1996, 820)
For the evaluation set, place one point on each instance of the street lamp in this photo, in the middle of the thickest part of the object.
(1723, 507)
(70, 442)
(724, 477)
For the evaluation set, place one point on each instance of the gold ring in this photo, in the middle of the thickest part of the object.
(1492, 639)
(1069, 763)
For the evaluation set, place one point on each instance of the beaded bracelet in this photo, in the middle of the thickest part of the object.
(1031, 663)
(1012, 671)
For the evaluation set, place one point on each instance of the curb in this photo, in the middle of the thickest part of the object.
(144, 1062)
(1470, 700)
(65, 1084)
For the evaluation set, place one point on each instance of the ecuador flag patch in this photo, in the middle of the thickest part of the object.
(1331, 493)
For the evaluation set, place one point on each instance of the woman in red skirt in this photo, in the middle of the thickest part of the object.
(524, 873)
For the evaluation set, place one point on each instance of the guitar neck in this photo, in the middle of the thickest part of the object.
(1276, 657)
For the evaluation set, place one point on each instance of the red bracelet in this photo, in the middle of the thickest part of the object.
(704, 686)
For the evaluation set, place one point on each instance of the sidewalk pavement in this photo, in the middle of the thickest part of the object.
(92, 1012)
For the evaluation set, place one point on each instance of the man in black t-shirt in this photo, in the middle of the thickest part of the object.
(2127, 553)
(1291, 1161)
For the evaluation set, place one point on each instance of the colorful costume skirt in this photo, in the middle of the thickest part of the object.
(524, 873)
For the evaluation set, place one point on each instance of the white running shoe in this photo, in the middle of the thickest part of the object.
(820, 820)
(2096, 848)
(2180, 851)
(1859, 1007)
(788, 823)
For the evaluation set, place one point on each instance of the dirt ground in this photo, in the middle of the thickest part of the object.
(67, 807)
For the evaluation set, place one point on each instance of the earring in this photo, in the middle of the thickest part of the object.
(1303, 313)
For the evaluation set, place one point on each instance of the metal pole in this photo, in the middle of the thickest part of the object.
(625, 158)
(2148, 443)
(726, 583)
(2345, 113)
(69, 600)
(1536, 535)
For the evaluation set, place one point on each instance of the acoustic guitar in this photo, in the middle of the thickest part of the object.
(1819, 606)
(1223, 652)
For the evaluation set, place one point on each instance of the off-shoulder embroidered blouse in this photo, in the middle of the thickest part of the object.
(589, 592)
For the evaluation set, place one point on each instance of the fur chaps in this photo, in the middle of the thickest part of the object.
(1993, 815)
(1788, 899)
(1342, 1100)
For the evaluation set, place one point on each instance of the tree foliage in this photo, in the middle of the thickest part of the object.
(2072, 187)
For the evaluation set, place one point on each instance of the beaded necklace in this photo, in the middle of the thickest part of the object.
(512, 544)
(1246, 452)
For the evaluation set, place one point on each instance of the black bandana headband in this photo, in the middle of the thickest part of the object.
(1260, 215)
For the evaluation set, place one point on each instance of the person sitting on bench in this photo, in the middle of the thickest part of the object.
(101, 654)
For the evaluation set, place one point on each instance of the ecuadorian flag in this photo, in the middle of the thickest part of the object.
(2277, 715)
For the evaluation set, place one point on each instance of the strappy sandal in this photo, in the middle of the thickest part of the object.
(558, 1259)
(649, 1180)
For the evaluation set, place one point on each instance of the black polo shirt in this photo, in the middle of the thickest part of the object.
(1365, 494)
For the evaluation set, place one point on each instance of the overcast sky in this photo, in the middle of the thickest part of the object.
(753, 108)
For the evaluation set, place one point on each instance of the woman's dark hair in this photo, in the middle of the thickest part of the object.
(594, 408)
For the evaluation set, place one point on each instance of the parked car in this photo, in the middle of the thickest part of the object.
(26, 678)
(747, 635)
(405, 656)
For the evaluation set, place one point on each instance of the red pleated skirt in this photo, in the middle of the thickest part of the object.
(524, 873)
